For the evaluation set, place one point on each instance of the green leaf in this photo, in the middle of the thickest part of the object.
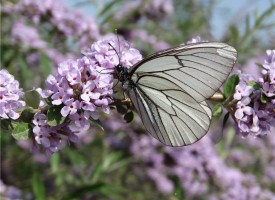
(24, 68)
(259, 64)
(54, 116)
(45, 64)
(80, 191)
(21, 131)
(38, 186)
(247, 24)
(121, 109)
(27, 115)
(178, 191)
(54, 162)
(217, 110)
(32, 98)
(128, 117)
(254, 84)
(108, 6)
(263, 99)
(6, 126)
(225, 119)
(235, 34)
(230, 84)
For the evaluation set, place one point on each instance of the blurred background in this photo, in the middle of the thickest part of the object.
(121, 161)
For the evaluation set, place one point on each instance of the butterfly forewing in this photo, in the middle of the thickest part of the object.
(169, 90)
(199, 69)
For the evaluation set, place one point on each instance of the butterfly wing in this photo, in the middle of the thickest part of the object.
(169, 90)
(169, 114)
(198, 69)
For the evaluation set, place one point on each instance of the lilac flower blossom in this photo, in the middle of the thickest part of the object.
(10, 95)
(242, 90)
(52, 138)
(198, 167)
(83, 87)
(145, 37)
(10, 192)
(68, 22)
(154, 9)
(243, 109)
(254, 116)
(26, 35)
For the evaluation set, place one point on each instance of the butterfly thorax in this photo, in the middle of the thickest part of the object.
(122, 73)
(124, 77)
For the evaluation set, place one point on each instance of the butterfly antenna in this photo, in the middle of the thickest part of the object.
(115, 51)
(118, 42)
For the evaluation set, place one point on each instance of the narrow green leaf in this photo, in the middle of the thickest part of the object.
(98, 123)
(264, 15)
(32, 98)
(230, 84)
(54, 163)
(263, 99)
(98, 172)
(247, 24)
(234, 34)
(21, 131)
(230, 136)
(225, 119)
(128, 117)
(54, 116)
(217, 110)
(108, 6)
(80, 191)
(45, 64)
(38, 186)
(259, 64)
(24, 68)
(178, 191)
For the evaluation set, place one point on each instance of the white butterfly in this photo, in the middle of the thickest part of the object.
(169, 89)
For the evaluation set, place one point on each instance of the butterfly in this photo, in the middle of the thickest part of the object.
(169, 89)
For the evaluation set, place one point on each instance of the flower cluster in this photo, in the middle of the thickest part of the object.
(10, 192)
(10, 95)
(50, 26)
(52, 138)
(109, 52)
(255, 100)
(153, 9)
(26, 35)
(268, 79)
(69, 23)
(145, 37)
(199, 170)
(81, 88)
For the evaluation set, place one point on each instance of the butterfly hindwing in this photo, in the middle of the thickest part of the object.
(169, 114)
